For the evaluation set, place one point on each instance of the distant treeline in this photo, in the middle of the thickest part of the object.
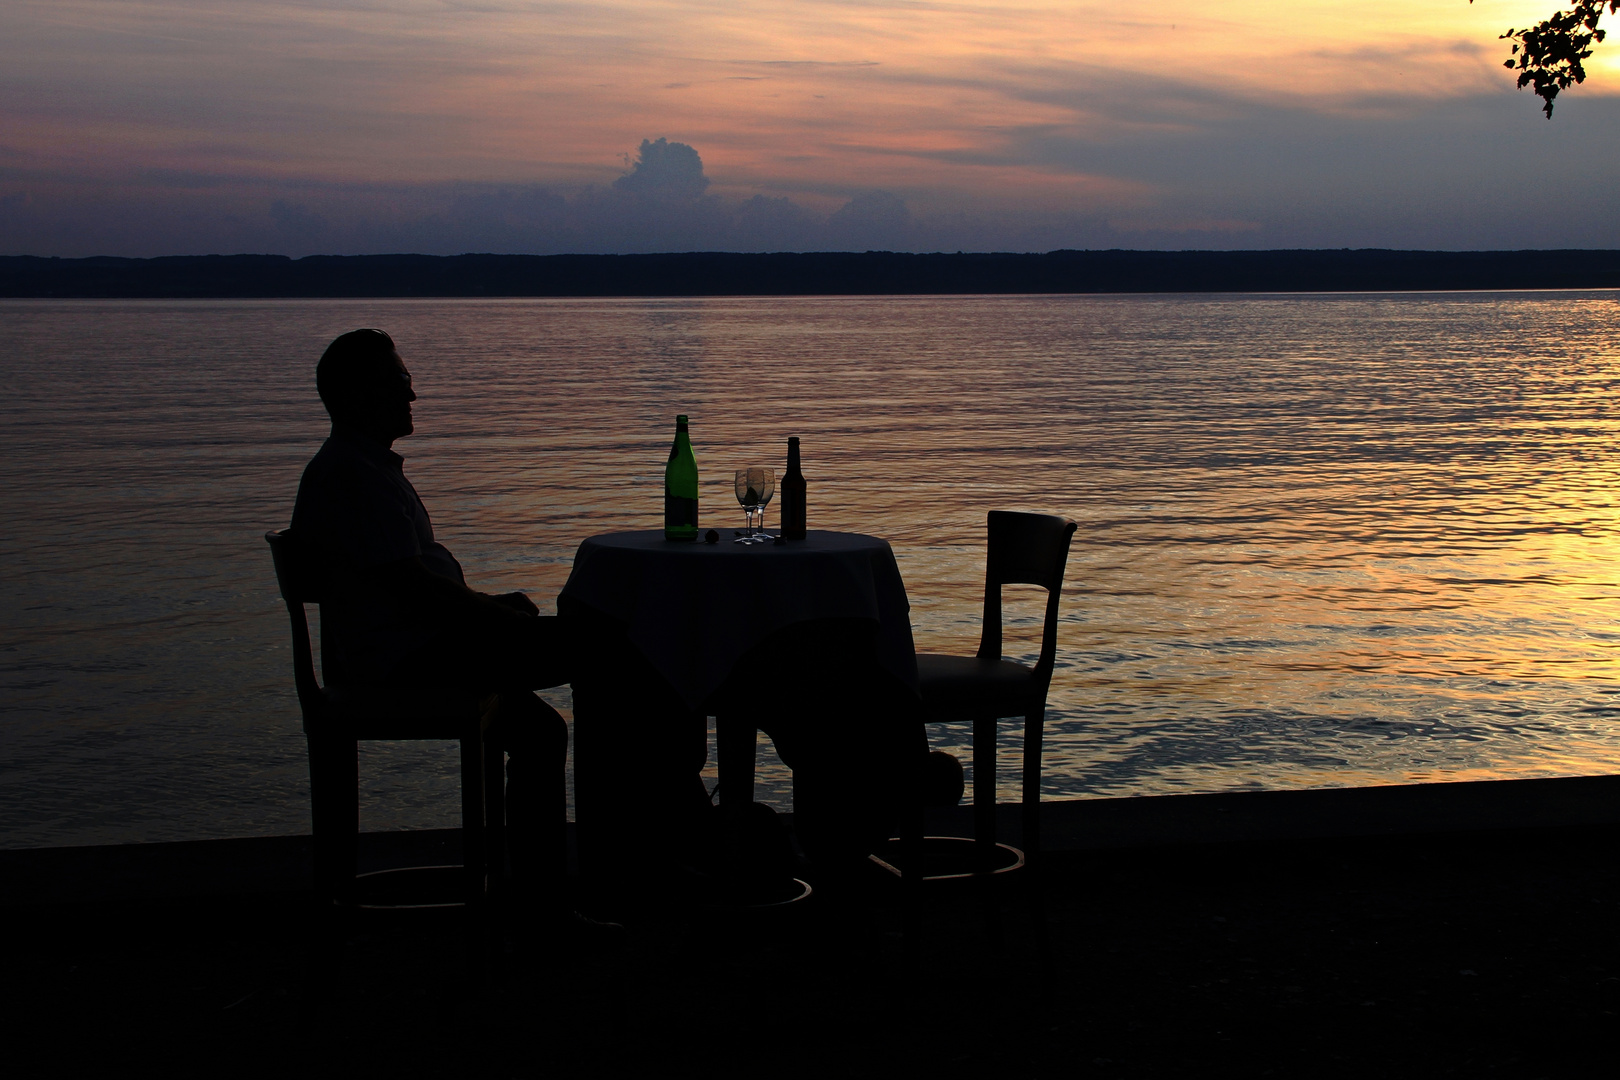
(807, 274)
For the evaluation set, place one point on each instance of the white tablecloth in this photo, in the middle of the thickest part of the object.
(694, 609)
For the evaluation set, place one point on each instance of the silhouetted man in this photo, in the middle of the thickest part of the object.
(402, 619)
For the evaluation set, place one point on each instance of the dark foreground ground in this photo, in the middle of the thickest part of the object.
(1489, 953)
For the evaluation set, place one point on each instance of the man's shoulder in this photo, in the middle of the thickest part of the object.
(354, 499)
(328, 472)
(333, 477)
(342, 464)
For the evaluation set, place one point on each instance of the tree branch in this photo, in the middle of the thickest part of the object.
(1549, 55)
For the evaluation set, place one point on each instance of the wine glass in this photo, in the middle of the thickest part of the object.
(765, 485)
(748, 496)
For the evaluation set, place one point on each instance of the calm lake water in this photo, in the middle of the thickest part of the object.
(1324, 540)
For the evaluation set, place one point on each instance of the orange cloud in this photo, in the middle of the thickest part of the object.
(1184, 118)
(784, 96)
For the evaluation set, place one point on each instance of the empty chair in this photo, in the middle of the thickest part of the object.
(337, 717)
(1023, 549)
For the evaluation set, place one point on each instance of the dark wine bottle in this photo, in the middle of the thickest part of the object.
(794, 517)
(681, 487)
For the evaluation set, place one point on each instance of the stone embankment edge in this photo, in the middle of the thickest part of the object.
(65, 875)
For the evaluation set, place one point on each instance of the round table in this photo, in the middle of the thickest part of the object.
(694, 609)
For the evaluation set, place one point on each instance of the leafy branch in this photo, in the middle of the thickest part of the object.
(1549, 55)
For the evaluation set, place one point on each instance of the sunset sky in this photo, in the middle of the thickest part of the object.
(153, 127)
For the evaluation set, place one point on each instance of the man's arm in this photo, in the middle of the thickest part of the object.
(450, 602)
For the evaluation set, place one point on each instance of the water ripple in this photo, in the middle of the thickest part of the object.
(1324, 540)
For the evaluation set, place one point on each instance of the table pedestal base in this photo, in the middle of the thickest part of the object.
(756, 895)
(950, 858)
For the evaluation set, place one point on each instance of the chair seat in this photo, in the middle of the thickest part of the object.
(966, 686)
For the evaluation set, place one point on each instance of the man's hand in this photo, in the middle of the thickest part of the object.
(517, 602)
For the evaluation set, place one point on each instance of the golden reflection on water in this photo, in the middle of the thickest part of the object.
(1323, 540)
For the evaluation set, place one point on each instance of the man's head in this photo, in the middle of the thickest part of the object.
(364, 385)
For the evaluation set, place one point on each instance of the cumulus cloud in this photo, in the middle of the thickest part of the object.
(660, 203)
(1270, 177)
(665, 171)
(872, 220)
(773, 224)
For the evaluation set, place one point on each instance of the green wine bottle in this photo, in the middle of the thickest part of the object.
(681, 487)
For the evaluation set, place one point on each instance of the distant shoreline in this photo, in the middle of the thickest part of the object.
(869, 273)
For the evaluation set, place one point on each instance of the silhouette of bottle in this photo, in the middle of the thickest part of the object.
(794, 509)
(681, 487)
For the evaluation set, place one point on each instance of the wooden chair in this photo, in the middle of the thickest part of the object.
(337, 718)
(1023, 549)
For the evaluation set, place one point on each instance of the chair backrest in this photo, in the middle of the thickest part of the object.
(301, 583)
(1025, 549)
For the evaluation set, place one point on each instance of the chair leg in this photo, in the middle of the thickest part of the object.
(584, 752)
(495, 853)
(553, 869)
(473, 856)
(911, 876)
(984, 793)
(1034, 729)
(334, 797)
(984, 823)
